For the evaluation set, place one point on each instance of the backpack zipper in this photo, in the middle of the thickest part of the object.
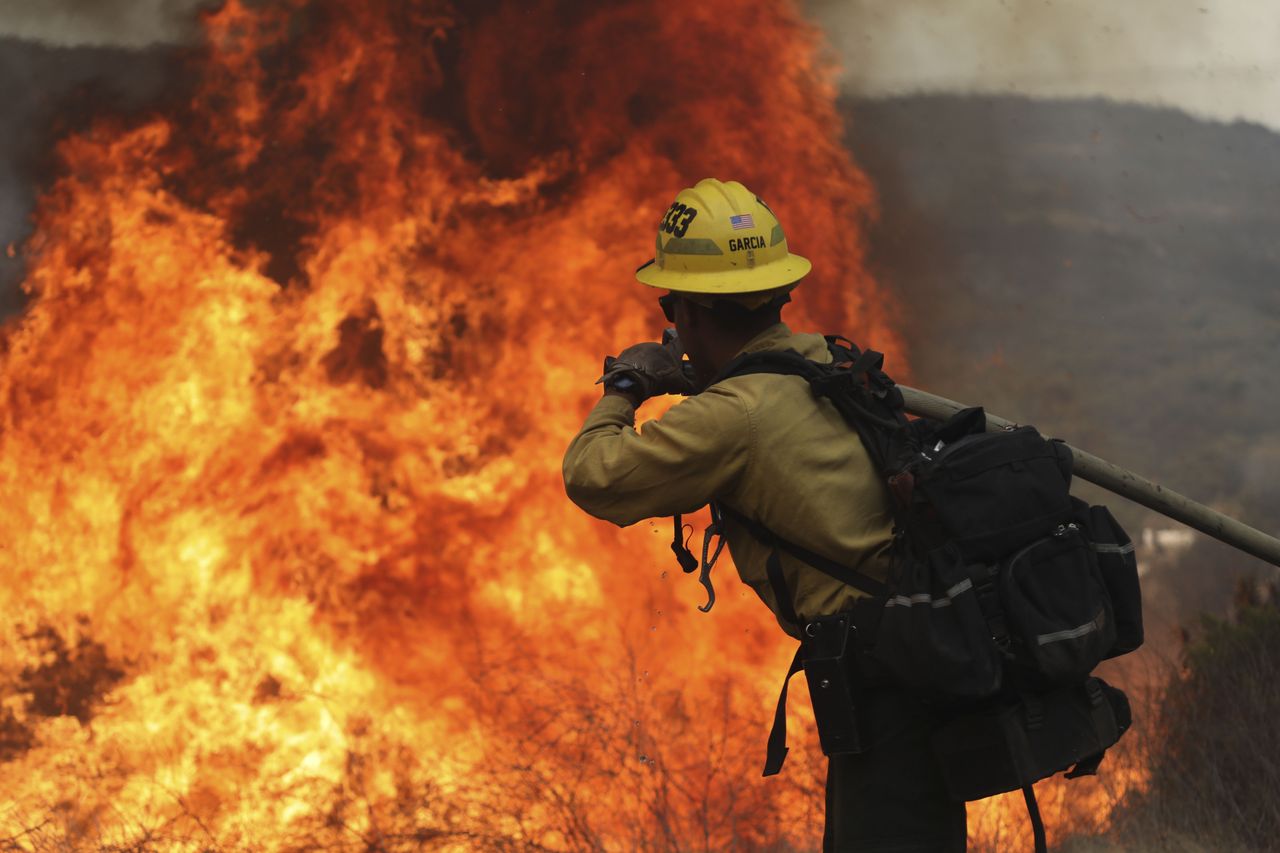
(1056, 534)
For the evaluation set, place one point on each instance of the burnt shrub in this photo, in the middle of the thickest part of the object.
(1215, 762)
(70, 678)
(15, 736)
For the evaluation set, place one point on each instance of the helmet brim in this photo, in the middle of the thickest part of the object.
(769, 276)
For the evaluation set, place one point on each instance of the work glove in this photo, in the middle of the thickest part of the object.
(648, 369)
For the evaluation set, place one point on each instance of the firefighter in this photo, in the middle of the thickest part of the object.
(767, 450)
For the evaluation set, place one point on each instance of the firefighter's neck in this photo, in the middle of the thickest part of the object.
(712, 344)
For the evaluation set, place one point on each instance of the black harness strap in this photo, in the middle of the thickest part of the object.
(868, 360)
(1037, 823)
(778, 582)
(776, 752)
(853, 383)
(824, 383)
(842, 573)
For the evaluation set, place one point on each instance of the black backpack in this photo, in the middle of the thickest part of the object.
(1005, 593)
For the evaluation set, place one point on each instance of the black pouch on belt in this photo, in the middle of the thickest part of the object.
(828, 653)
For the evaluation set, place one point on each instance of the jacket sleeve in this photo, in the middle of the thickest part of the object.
(675, 464)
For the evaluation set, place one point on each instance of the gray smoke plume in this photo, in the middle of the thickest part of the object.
(1214, 60)
(43, 84)
(56, 57)
(113, 23)
(53, 52)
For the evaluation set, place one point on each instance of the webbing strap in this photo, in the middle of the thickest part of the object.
(776, 752)
(786, 607)
(1103, 719)
(842, 573)
(868, 360)
(1037, 824)
(838, 384)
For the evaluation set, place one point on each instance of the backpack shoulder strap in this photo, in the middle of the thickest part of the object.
(842, 573)
(869, 402)
(864, 395)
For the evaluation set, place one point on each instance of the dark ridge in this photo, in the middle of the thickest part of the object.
(1105, 271)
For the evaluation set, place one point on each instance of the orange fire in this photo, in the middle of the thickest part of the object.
(287, 559)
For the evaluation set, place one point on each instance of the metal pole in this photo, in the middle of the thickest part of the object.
(1125, 483)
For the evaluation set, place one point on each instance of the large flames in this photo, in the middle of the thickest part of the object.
(287, 561)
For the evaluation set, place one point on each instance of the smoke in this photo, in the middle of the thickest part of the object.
(1212, 60)
(59, 58)
(44, 85)
(117, 23)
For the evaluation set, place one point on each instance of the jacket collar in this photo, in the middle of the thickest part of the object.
(776, 337)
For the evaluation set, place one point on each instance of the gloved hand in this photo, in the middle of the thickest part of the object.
(652, 368)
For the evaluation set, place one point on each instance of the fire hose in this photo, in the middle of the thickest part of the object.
(1126, 484)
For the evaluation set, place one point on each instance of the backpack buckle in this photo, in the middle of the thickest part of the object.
(902, 486)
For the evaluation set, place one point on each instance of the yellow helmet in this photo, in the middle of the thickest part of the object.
(718, 238)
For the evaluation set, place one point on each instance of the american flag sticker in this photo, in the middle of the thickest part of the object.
(741, 222)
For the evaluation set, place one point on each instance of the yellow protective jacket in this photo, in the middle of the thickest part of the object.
(764, 446)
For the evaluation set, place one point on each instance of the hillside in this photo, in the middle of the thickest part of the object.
(1108, 272)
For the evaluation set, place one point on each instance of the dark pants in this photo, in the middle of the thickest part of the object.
(891, 798)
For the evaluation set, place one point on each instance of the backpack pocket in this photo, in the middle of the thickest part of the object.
(932, 637)
(1057, 608)
(1019, 739)
(991, 493)
(1119, 566)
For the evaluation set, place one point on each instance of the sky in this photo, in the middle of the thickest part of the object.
(101, 23)
(1217, 59)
